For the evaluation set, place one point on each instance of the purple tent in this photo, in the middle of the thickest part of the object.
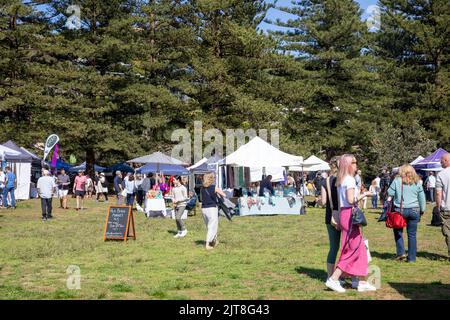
(433, 161)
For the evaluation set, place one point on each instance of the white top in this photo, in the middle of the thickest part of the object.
(45, 186)
(378, 179)
(348, 183)
(431, 182)
(129, 186)
(2, 179)
(443, 183)
(373, 190)
(179, 194)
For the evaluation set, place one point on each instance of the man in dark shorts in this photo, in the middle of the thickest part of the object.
(79, 188)
(63, 188)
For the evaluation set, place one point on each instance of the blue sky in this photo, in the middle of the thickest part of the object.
(273, 14)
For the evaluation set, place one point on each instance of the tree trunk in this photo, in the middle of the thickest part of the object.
(90, 160)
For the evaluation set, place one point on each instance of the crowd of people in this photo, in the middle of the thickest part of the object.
(340, 190)
(340, 194)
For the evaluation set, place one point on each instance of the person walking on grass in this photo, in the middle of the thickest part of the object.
(443, 198)
(210, 210)
(180, 197)
(373, 189)
(431, 186)
(118, 187)
(89, 187)
(10, 186)
(329, 197)
(353, 260)
(46, 188)
(79, 189)
(130, 188)
(102, 187)
(63, 182)
(409, 200)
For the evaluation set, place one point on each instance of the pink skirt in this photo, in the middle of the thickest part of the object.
(353, 259)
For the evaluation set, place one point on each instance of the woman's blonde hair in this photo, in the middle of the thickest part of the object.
(334, 166)
(408, 174)
(208, 179)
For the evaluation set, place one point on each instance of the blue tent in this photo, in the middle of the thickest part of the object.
(119, 167)
(433, 161)
(167, 169)
(60, 164)
(83, 167)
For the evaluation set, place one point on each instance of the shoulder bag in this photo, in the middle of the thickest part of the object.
(395, 219)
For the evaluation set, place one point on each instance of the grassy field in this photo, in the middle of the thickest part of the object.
(259, 257)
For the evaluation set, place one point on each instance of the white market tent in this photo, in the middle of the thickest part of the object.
(157, 157)
(261, 156)
(259, 153)
(20, 163)
(320, 166)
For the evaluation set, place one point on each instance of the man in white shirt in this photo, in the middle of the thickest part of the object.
(443, 197)
(46, 188)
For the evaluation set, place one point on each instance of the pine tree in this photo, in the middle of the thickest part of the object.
(414, 41)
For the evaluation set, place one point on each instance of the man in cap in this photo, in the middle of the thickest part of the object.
(46, 188)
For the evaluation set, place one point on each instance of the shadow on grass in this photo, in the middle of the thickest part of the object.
(424, 291)
(172, 232)
(317, 274)
(200, 242)
(420, 254)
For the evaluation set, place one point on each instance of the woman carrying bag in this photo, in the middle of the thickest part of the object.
(409, 200)
(353, 260)
(210, 210)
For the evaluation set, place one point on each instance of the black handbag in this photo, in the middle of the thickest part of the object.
(358, 217)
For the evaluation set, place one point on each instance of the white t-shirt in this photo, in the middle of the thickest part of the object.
(2, 179)
(431, 182)
(378, 179)
(348, 183)
(45, 185)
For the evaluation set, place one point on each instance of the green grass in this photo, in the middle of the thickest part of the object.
(259, 257)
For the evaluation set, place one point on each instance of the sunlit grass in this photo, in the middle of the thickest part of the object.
(259, 257)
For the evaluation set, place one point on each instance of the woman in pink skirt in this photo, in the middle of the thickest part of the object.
(353, 259)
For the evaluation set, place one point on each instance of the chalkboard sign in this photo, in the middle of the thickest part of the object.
(119, 224)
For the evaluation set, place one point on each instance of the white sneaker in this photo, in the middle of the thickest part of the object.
(365, 286)
(334, 285)
(183, 233)
(177, 235)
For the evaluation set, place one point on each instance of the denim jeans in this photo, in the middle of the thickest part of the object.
(9, 190)
(412, 216)
(431, 191)
(374, 202)
(130, 199)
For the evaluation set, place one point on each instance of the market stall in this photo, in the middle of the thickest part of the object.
(261, 158)
(20, 163)
(156, 204)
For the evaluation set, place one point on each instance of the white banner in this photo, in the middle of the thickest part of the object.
(52, 140)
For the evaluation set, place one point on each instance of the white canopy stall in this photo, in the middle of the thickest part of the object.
(261, 157)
